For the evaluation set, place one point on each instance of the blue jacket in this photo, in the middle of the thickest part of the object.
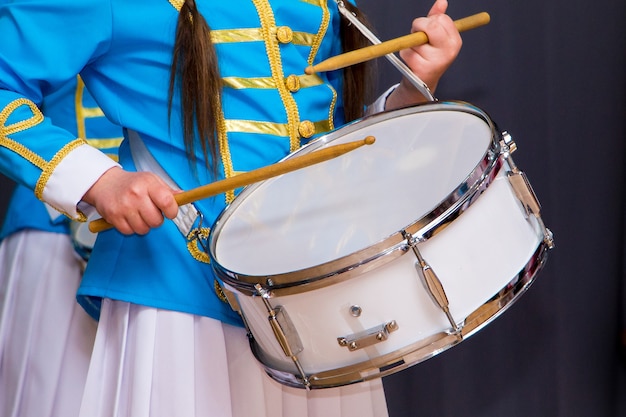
(123, 51)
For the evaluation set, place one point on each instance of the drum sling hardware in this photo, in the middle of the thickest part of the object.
(433, 284)
(522, 188)
(284, 331)
(392, 58)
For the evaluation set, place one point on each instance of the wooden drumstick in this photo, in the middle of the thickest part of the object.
(256, 175)
(391, 46)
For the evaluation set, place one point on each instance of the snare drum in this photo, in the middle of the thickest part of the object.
(366, 264)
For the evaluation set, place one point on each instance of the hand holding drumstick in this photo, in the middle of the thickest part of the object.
(218, 187)
(427, 53)
(428, 61)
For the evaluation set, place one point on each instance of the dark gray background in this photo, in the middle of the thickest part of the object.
(552, 74)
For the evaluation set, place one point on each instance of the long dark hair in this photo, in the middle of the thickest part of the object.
(195, 74)
(359, 80)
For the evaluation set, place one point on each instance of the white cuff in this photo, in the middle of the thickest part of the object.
(73, 176)
(379, 105)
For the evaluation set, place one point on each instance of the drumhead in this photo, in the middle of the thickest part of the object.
(423, 155)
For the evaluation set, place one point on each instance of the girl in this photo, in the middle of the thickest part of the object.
(204, 90)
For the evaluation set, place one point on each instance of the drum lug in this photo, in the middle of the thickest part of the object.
(523, 190)
(284, 331)
(432, 281)
(508, 144)
(368, 337)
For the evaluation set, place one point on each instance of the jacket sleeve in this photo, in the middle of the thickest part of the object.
(44, 45)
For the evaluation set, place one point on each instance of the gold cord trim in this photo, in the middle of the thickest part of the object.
(227, 161)
(22, 125)
(317, 42)
(192, 244)
(178, 4)
(56, 159)
(7, 130)
(268, 25)
(219, 291)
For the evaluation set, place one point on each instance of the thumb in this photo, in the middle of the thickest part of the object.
(439, 7)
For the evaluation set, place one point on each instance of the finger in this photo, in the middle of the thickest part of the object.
(439, 7)
(162, 196)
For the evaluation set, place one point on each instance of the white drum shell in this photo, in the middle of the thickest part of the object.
(308, 220)
(475, 257)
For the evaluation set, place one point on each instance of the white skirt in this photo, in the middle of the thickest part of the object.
(45, 337)
(156, 363)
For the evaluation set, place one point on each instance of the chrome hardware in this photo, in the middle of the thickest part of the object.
(395, 61)
(284, 331)
(433, 284)
(368, 337)
(523, 190)
(355, 311)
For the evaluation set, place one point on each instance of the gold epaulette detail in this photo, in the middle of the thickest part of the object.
(56, 159)
(238, 83)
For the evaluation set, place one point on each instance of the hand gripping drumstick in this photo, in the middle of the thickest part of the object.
(256, 175)
(394, 45)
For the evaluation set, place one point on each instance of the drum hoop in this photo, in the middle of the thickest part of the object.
(424, 349)
(387, 249)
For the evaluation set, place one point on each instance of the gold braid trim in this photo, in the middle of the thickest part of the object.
(178, 4)
(23, 124)
(227, 160)
(331, 109)
(266, 16)
(219, 291)
(317, 42)
(56, 159)
(192, 244)
(5, 130)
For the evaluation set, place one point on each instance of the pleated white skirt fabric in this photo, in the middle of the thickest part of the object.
(156, 363)
(45, 336)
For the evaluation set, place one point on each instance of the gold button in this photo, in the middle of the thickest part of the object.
(306, 129)
(284, 34)
(292, 83)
